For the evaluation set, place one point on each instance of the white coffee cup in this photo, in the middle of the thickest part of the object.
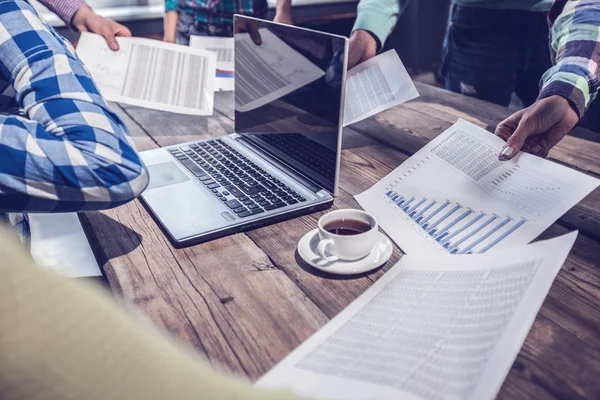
(333, 247)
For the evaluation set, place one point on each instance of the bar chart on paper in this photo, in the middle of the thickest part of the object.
(454, 196)
(455, 228)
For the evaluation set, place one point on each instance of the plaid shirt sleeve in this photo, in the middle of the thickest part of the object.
(68, 152)
(575, 44)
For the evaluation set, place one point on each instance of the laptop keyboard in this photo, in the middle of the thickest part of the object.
(239, 183)
(306, 151)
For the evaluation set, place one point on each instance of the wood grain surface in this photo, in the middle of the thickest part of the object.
(245, 301)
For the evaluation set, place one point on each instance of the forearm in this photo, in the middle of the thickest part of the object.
(71, 152)
(576, 48)
(64, 9)
(62, 339)
(171, 20)
(283, 6)
(379, 17)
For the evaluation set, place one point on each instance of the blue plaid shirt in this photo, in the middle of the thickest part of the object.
(61, 148)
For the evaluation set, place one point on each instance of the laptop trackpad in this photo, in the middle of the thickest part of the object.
(165, 174)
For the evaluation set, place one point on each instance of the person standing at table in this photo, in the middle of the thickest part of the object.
(494, 48)
(184, 18)
(61, 148)
(78, 15)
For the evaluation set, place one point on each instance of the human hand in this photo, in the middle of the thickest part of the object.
(362, 46)
(86, 20)
(283, 17)
(537, 128)
(250, 26)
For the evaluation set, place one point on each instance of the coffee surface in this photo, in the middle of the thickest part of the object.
(347, 227)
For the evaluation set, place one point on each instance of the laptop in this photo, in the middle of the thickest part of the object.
(283, 159)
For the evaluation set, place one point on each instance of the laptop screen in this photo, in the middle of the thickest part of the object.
(289, 84)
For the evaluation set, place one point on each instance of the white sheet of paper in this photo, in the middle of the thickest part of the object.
(454, 196)
(59, 243)
(431, 327)
(223, 46)
(152, 74)
(225, 84)
(273, 70)
(376, 85)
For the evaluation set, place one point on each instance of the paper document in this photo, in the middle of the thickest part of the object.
(268, 72)
(376, 85)
(454, 195)
(59, 243)
(223, 46)
(430, 328)
(152, 74)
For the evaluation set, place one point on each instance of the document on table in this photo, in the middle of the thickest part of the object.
(268, 72)
(434, 327)
(223, 46)
(376, 85)
(152, 74)
(454, 196)
(59, 243)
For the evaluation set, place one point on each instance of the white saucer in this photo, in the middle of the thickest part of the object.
(307, 248)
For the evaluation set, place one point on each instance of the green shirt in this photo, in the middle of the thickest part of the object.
(380, 16)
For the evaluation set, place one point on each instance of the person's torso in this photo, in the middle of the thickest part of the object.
(222, 11)
(525, 5)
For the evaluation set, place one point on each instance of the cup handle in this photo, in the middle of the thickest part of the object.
(321, 250)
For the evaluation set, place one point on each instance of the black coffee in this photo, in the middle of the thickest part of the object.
(347, 227)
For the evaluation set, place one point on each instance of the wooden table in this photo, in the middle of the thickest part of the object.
(245, 301)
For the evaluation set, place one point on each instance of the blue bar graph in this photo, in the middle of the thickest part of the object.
(452, 226)
(440, 208)
(503, 236)
(461, 230)
(475, 232)
(406, 205)
(487, 235)
(416, 206)
(439, 221)
(417, 217)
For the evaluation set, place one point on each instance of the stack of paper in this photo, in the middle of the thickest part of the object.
(448, 320)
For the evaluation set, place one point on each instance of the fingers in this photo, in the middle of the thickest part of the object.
(515, 142)
(354, 57)
(254, 33)
(540, 145)
(361, 48)
(538, 128)
(109, 36)
(505, 130)
(121, 30)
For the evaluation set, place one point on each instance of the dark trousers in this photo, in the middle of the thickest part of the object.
(489, 54)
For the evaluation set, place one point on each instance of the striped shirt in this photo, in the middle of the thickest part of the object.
(218, 12)
(61, 148)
